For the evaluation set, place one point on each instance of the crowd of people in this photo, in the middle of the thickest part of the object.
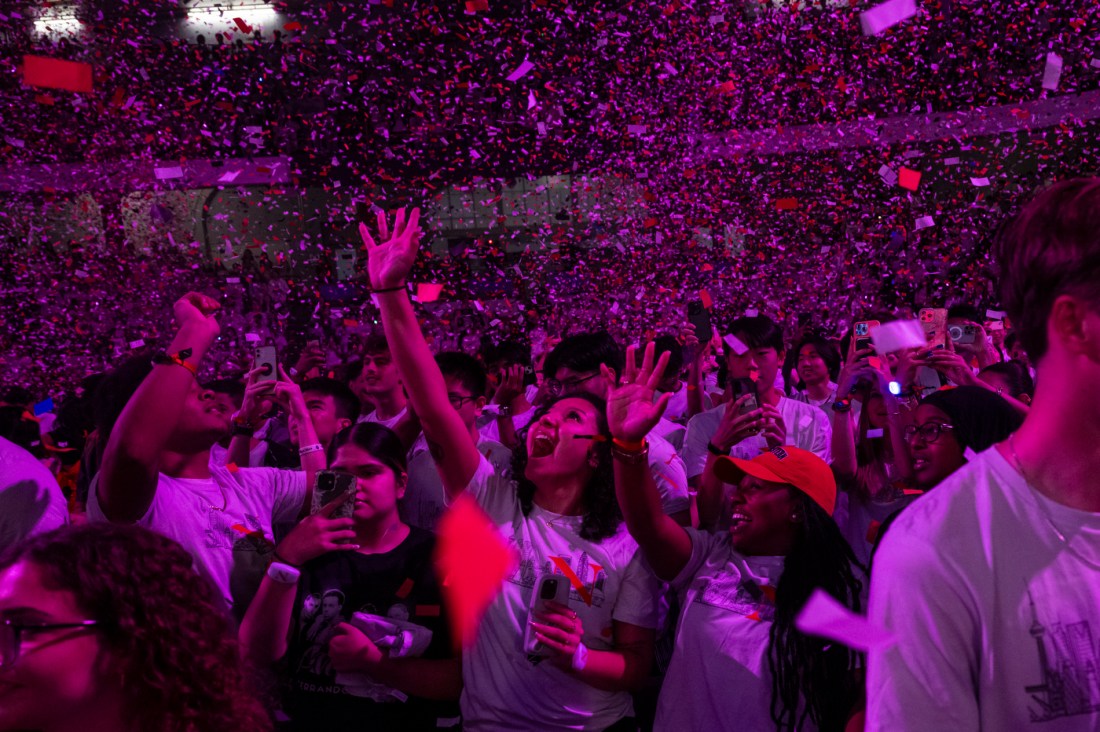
(199, 541)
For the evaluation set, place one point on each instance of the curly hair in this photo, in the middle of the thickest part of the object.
(602, 513)
(177, 653)
(813, 677)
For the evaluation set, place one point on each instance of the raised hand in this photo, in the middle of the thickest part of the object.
(511, 385)
(195, 312)
(389, 263)
(351, 650)
(631, 411)
(560, 630)
(257, 398)
(735, 426)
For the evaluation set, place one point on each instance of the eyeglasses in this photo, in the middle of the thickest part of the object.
(929, 431)
(11, 635)
(458, 400)
(556, 388)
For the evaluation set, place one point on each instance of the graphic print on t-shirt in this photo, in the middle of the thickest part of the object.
(318, 619)
(585, 576)
(741, 596)
(1069, 666)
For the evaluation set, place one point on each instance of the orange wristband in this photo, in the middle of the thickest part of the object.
(628, 446)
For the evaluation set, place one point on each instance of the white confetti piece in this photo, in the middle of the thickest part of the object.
(924, 222)
(734, 344)
(886, 15)
(980, 182)
(1052, 72)
(521, 71)
(897, 335)
(168, 173)
(822, 615)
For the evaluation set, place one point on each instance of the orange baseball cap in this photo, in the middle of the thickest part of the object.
(787, 464)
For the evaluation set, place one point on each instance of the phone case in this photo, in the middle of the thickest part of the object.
(265, 355)
(934, 322)
(328, 487)
(531, 644)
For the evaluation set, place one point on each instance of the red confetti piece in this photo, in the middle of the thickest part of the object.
(405, 588)
(473, 560)
(474, 6)
(705, 297)
(245, 27)
(427, 611)
(786, 204)
(909, 179)
(428, 292)
(293, 26)
(52, 73)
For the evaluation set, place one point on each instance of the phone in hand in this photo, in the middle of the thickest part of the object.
(329, 486)
(746, 387)
(265, 358)
(550, 588)
(862, 334)
(962, 334)
(699, 316)
(934, 322)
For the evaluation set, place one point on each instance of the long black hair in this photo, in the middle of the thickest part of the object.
(813, 677)
(602, 513)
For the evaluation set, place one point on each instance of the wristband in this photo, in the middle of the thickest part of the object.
(280, 560)
(165, 359)
(628, 446)
(309, 449)
(503, 411)
(714, 450)
(630, 457)
(580, 657)
(842, 406)
(284, 574)
(402, 286)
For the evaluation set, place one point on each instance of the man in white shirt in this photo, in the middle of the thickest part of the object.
(989, 581)
(157, 473)
(754, 352)
(376, 382)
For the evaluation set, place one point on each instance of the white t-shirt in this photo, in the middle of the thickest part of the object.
(807, 427)
(997, 618)
(826, 403)
(425, 498)
(491, 431)
(31, 501)
(232, 547)
(504, 690)
(220, 455)
(677, 405)
(719, 676)
(372, 416)
(859, 519)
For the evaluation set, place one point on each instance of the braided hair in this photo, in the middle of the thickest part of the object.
(812, 677)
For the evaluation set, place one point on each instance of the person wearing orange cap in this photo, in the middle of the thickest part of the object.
(739, 662)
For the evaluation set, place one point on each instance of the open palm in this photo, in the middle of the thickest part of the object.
(631, 411)
(389, 263)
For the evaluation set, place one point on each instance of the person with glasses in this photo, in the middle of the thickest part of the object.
(989, 582)
(575, 668)
(108, 628)
(591, 363)
(466, 381)
(953, 424)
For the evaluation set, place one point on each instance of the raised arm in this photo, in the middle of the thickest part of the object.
(454, 451)
(131, 460)
(631, 414)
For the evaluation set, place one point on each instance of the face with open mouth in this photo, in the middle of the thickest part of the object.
(760, 517)
(934, 456)
(553, 447)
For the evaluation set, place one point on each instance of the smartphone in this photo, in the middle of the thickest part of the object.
(551, 588)
(743, 387)
(699, 316)
(934, 322)
(962, 334)
(995, 325)
(862, 332)
(265, 358)
(329, 486)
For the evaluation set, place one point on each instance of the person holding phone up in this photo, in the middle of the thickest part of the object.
(392, 662)
(558, 510)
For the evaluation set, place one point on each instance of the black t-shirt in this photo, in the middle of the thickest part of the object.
(401, 591)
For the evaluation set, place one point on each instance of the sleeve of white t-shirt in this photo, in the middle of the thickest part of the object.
(695, 445)
(636, 603)
(287, 491)
(927, 680)
(823, 436)
(670, 475)
(703, 544)
(493, 492)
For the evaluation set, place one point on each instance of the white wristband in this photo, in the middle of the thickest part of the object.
(307, 449)
(283, 573)
(580, 657)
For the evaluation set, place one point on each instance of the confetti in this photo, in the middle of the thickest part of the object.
(52, 73)
(823, 616)
(886, 15)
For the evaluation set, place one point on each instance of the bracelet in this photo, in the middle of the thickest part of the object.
(240, 430)
(165, 359)
(630, 457)
(283, 573)
(714, 450)
(692, 387)
(402, 286)
(842, 406)
(628, 446)
(309, 449)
